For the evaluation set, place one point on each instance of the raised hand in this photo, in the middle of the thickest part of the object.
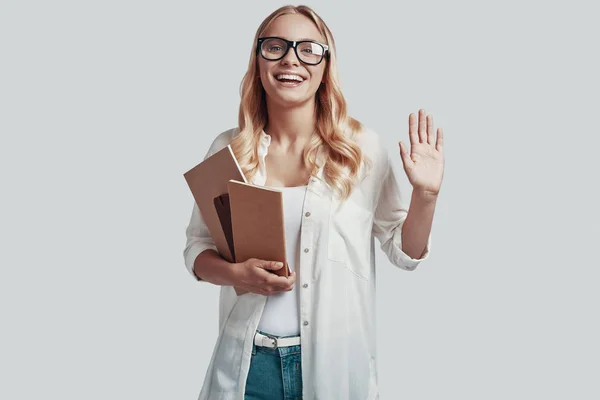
(424, 163)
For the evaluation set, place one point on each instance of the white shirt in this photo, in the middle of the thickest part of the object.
(336, 282)
(281, 316)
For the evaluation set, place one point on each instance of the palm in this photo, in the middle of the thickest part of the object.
(424, 164)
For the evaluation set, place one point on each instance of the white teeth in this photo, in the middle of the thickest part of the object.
(294, 77)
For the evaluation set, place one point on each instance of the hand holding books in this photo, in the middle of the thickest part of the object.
(254, 275)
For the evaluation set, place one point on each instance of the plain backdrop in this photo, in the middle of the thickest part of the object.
(105, 104)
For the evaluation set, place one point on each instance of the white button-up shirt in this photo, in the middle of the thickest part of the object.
(336, 279)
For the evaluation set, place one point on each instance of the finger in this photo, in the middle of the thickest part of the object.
(270, 265)
(256, 289)
(288, 288)
(439, 144)
(422, 126)
(405, 155)
(430, 129)
(285, 288)
(290, 281)
(277, 289)
(292, 278)
(269, 290)
(412, 129)
(273, 280)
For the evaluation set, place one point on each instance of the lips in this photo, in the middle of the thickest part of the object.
(289, 79)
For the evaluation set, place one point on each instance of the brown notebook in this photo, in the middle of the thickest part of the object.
(258, 223)
(208, 183)
(224, 212)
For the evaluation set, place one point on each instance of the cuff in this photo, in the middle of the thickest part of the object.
(405, 261)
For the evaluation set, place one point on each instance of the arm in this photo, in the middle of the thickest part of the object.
(198, 242)
(211, 267)
(417, 226)
(389, 220)
(202, 258)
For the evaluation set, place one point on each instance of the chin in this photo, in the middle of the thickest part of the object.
(292, 99)
(288, 96)
(289, 101)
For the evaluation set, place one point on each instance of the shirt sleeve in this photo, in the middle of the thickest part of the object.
(198, 240)
(389, 218)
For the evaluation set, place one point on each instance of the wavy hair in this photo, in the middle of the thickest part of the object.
(335, 130)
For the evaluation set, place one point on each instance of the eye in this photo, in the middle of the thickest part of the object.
(275, 48)
(307, 50)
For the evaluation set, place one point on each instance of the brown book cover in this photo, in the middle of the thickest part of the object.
(257, 221)
(224, 212)
(208, 182)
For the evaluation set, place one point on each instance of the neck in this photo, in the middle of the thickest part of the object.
(291, 126)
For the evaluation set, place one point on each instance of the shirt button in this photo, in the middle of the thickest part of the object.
(307, 214)
(305, 285)
(305, 323)
(314, 179)
(306, 250)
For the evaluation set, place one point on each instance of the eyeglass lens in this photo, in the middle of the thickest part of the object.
(308, 52)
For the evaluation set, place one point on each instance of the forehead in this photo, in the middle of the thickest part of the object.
(293, 27)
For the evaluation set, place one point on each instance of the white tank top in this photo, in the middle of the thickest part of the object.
(281, 316)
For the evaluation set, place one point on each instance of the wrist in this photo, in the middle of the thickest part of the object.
(234, 273)
(424, 196)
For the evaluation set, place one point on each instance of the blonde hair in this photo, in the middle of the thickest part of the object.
(335, 129)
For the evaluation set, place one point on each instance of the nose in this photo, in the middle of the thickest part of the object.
(290, 58)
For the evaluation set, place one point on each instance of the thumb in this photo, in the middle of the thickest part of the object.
(271, 265)
(404, 155)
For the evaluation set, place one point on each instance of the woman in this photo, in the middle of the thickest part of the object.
(311, 335)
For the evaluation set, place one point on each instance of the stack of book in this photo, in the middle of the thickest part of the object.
(244, 220)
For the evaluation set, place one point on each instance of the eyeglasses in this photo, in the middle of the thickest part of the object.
(308, 51)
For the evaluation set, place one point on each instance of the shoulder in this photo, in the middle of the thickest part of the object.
(222, 140)
(369, 140)
(374, 148)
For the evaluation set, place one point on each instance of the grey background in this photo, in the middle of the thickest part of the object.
(104, 105)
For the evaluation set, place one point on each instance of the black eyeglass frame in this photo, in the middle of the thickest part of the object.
(291, 44)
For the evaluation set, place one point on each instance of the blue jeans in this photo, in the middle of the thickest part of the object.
(275, 374)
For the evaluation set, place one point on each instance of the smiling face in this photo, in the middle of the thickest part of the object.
(289, 82)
